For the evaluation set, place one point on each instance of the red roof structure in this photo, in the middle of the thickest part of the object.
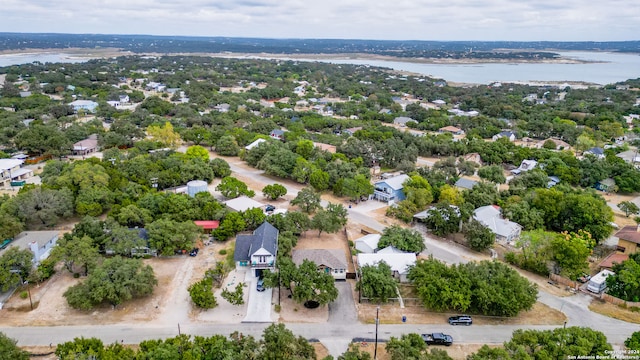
(614, 258)
(208, 224)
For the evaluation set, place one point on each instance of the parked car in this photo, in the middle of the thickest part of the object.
(584, 278)
(269, 208)
(460, 320)
(260, 287)
(194, 252)
(437, 339)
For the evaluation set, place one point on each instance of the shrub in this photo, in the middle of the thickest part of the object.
(24, 295)
(223, 252)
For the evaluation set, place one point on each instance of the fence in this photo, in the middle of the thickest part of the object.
(564, 281)
(604, 297)
(616, 301)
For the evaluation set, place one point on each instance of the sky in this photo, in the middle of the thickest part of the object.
(491, 20)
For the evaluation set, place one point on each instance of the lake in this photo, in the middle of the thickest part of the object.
(609, 68)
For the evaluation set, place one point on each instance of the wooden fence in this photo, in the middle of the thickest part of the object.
(564, 281)
(616, 301)
(604, 297)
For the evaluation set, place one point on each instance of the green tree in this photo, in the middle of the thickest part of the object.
(9, 349)
(624, 284)
(279, 343)
(571, 252)
(81, 348)
(307, 199)
(231, 224)
(15, 266)
(231, 188)
(354, 353)
(201, 294)
(492, 173)
(633, 342)
(629, 208)
(43, 207)
(115, 281)
(274, 191)
(9, 226)
(76, 252)
(377, 282)
(319, 180)
(479, 237)
(559, 343)
(443, 219)
(402, 239)
(330, 220)
(220, 168)
(451, 195)
(164, 134)
(253, 218)
(227, 146)
(197, 152)
(408, 346)
(166, 236)
(307, 283)
(234, 297)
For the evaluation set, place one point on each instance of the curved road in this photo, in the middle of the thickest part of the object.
(336, 335)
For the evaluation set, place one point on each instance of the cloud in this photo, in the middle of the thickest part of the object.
(397, 19)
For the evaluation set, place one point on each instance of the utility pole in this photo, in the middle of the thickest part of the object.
(375, 349)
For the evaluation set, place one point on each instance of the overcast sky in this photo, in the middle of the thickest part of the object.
(523, 20)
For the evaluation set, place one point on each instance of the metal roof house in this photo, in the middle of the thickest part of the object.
(258, 250)
(367, 244)
(39, 242)
(491, 217)
(390, 190)
(399, 263)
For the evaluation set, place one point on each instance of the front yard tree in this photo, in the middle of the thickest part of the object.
(443, 219)
(167, 235)
(629, 208)
(624, 283)
(329, 220)
(10, 350)
(201, 293)
(115, 281)
(231, 188)
(479, 237)
(43, 207)
(235, 297)
(274, 191)
(402, 239)
(220, 168)
(408, 346)
(15, 265)
(307, 199)
(197, 152)
(559, 343)
(231, 224)
(571, 254)
(633, 342)
(309, 285)
(227, 146)
(492, 173)
(279, 343)
(377, 283)
(354, 353)
(77, 253)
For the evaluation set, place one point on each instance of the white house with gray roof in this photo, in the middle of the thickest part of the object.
(399, 263)
(330, 261)
(39, 243)
(490, 216)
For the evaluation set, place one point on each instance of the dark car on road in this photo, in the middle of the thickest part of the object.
(460, 320)
(194, 252)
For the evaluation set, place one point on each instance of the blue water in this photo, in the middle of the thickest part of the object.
(610, 68)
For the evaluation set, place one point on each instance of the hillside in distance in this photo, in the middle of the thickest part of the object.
(395, 48)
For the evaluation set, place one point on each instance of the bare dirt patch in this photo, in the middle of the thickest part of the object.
(615, 311)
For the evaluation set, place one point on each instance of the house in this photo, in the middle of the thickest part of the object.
(207, 225)
(425, 214)
(277, 134)
(399, 263)
(490, 216)
(24, 94)
(606, 185)
(86, 105)
(257, 251)
(367, 244)
(223, 108)
(12, 170)
(560, 145)
(526, 165)
(243, 203)
(509, 135)
(466, 184)
(351, 131)
(114, 103)
(615, 258)
(628, 239)
(39, 242)
(439, 102)
(330, 261)
(402, 120)
(451, 129)
(390, 189)
(254, 144)
(86, 146)
(629, 156)
(474, 157)
(390, 250)
(124, 99)
(598, 152)
(553, 181)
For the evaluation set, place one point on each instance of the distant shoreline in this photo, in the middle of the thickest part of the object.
(114, 52)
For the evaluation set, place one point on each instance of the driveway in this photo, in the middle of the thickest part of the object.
(259, 304)
(343, 310)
